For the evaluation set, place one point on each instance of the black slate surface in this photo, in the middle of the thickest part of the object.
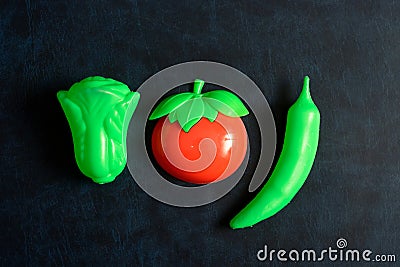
(53, 216)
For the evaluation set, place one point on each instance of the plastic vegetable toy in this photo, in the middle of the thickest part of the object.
(293, 166)
(98, 111)
(202, 138)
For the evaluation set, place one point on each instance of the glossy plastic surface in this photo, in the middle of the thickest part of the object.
(203, 140)
(294, 164)
(210, 151)
(189, 108)
(98, 111)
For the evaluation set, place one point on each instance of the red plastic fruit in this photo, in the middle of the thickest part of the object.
(200, 137)
(209, 152)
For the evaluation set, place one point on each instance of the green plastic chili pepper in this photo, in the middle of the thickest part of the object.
(98, 111)
(294, 164)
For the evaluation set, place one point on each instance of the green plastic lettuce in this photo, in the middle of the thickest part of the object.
(98, 111)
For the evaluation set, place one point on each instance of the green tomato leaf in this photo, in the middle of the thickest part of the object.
(170, 104)
(209, 112)
(190, 124)
(226, 102)
(172, 117)
(190, 113)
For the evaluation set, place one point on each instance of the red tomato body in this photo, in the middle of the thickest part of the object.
(210, 151)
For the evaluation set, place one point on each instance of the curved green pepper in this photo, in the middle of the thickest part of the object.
(294, 164)
(98, 111)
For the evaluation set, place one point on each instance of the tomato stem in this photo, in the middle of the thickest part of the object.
(198, 86)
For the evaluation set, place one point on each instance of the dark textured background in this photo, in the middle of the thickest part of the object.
(52, 215)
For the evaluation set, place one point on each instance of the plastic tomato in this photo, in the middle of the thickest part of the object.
(200, 138)
(210, 151)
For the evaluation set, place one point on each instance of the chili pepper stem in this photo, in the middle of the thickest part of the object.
(198, 86)
(306, 88)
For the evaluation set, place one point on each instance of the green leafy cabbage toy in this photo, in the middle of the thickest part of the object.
(98, 111)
